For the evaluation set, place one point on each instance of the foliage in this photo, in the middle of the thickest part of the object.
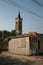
(13, 33)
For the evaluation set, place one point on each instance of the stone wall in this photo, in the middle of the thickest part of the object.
(20, 46)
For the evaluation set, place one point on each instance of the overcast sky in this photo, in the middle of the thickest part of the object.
(31, 22)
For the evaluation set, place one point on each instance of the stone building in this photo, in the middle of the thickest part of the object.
(26, 44)
(23, 44)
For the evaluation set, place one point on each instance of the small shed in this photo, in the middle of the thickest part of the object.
(22, 45)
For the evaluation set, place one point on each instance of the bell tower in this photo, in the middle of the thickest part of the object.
(18, 26)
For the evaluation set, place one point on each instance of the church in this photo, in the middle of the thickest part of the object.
(25, 44)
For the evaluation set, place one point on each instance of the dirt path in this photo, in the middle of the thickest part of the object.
(7, 58)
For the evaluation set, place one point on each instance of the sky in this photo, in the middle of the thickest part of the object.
(31, 22)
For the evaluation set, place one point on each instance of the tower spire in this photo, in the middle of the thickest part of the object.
(18, 26)
(19, 15)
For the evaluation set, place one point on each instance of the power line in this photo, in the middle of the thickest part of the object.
(38, 3)
(21, 7)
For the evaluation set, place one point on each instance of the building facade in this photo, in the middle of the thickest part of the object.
(22, 45)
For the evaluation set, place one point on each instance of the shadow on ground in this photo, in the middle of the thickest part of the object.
(10, 61)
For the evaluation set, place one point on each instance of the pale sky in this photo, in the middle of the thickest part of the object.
(31, 22)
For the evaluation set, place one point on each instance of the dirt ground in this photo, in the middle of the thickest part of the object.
(7, 58)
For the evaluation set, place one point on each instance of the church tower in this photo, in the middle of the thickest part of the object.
(18, 26)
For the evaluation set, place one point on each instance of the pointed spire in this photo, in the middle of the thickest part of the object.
(19, 15)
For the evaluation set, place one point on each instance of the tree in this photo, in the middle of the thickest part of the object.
(13, 32)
